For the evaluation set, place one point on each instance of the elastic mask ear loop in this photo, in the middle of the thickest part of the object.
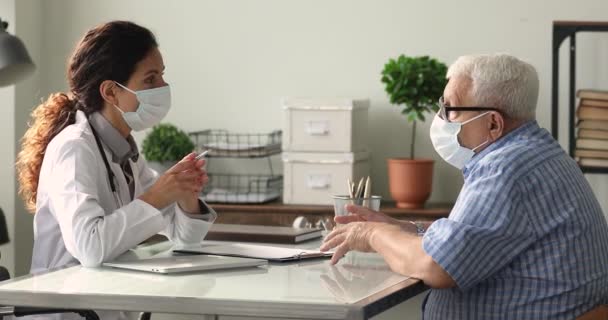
(475, 118)
(133, 92)
(479, 146)
(119, 109)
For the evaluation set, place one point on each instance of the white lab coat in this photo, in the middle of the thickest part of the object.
(78, 219)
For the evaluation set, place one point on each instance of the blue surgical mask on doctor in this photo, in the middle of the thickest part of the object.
(444, 136)
(154, 104)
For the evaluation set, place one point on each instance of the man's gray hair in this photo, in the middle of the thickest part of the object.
(500, 81)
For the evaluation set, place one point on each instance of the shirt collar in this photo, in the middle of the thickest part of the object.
(520, 131)
(121, 148)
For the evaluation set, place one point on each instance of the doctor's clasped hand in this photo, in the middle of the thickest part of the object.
(182, 183)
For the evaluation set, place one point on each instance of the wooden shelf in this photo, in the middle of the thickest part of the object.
(277, 213)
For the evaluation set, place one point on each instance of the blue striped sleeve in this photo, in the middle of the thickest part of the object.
(486, 230)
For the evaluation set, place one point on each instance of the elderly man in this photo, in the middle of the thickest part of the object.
(526, 238)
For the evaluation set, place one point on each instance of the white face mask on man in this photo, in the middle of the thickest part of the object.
(444, 136)
(154, 104)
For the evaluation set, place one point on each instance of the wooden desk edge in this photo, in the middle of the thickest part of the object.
(392, 296)
(431, 210)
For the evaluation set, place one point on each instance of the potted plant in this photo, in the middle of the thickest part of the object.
(165, 145)
(414, 84)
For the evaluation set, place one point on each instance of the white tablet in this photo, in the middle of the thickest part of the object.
(175, 264)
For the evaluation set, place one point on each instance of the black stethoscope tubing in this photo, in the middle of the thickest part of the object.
(109, 171)
(105, 160)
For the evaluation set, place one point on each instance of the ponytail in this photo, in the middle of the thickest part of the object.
(48, 119)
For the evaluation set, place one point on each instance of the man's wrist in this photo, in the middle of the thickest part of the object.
(374, 232)
(418, 227)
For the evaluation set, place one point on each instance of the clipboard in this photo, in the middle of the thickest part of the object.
(242, 250)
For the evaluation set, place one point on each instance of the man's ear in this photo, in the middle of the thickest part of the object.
(108, 90)
(496, 125)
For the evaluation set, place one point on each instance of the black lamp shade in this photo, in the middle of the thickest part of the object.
(3, 229)
(15, 62)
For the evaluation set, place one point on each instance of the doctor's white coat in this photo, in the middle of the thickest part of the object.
(78, 219)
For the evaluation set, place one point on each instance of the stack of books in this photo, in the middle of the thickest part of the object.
(592, 137)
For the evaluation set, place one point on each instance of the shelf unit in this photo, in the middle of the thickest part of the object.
(563, 30)
(238, 187)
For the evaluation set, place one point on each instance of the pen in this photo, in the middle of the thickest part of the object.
(201, 155)
(350, 188)
(368, 192)
(359, 192)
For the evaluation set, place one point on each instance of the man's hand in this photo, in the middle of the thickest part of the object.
(363, 214)
(353, 236)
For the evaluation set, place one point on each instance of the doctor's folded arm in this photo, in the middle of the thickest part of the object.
(526, 238)
(94, 197)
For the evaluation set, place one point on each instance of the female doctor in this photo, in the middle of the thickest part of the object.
(79, 169)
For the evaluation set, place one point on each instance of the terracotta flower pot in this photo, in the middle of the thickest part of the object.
(410, 181)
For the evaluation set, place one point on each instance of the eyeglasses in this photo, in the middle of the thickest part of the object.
(444, 111)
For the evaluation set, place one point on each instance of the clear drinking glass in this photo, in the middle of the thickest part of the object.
(340, 202)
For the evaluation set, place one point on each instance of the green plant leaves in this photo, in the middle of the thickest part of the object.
(414, 82)
(166, 143)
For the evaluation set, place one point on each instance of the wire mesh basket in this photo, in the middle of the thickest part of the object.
(222, 143)
(243, 188)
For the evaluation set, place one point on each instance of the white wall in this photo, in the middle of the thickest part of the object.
(25, 21)
(27, 94)
(230, 61)
(7, 144)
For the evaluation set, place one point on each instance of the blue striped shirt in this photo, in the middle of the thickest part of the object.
(526, 238)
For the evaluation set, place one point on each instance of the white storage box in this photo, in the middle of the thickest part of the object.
(325, 125)
(312, 178)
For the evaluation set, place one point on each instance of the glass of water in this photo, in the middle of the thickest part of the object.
(340, 202)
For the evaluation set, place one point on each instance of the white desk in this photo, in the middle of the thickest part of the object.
(359, 287)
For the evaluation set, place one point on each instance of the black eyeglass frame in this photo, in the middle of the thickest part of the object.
(445, 110)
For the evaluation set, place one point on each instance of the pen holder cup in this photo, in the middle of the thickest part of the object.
(340, 202)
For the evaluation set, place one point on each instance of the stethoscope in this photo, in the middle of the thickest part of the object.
(111, 175)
